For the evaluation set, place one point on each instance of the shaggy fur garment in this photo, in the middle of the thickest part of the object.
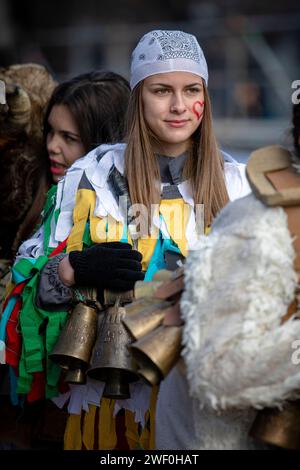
(237, 354)
(239, 284)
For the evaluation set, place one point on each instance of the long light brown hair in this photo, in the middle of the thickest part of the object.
(204, 166)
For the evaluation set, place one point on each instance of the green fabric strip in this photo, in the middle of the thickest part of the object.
(36, 346)
(87, 241)
(27, 268)
(55, 325)
(49, 213)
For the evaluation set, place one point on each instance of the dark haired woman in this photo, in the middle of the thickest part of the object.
(84, 112)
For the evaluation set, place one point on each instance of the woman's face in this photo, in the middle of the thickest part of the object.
(173, 109)
(63, 142)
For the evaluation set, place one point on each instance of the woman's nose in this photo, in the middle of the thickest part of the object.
(53, 143)
(178, 104)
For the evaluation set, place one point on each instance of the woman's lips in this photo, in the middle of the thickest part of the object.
(57, 168)
(177, 123)
(57, 171)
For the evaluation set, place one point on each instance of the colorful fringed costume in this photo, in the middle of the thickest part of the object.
(87, 211)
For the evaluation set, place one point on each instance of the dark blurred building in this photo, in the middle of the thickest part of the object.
(252, 47)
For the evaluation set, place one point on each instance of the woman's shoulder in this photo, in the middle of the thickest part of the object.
(235, 176)
(96, 156)
(94, 168)
(90, 172)
(96, 165)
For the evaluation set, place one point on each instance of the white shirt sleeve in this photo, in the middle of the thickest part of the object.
(236, 180)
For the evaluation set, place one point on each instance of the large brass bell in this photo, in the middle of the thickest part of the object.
(111, 361)
(154, 321)
(157, 352)
(158, 344)
(279, 427)
(74, 346)
(142, 316)
(75, 376)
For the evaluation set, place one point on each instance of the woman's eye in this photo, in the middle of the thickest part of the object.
(193, 91)
(69, 138)
(161, 91)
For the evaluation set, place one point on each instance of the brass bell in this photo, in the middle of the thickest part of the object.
(111, 361)
(139, 323)
(163, 275)
(112, 297)
(150, 374)
(157, 352)
(75, 376)
(279, 427)
(138, 305)
(146, 289)
(75, 343)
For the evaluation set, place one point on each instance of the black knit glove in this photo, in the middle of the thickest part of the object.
(113, 265)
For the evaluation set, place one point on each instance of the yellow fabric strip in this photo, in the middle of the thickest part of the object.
(98, 229)
(72, 437)
(85, 204)
(75, 239)
(88, 428)
(132, 431)
(146, 248)
(107, 425)
(115, 230)
(147, 439)
(145, 434)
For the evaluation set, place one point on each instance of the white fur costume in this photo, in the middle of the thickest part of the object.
(237, 355)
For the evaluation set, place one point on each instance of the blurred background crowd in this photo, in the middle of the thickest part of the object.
(252, 48)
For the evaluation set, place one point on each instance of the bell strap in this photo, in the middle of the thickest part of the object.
(281, 180)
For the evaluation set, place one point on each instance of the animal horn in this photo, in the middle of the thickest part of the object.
(19, 106)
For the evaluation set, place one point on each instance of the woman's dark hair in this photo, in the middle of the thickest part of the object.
(296, 128)
(98, 103)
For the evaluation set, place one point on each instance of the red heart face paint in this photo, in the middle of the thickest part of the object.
(198, 108)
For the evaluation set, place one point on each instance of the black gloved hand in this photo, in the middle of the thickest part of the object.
(113, 265)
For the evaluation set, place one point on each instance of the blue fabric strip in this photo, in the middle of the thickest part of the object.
(5, 317)
(17, 277)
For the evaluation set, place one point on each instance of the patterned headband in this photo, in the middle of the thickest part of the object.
(167, 51)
